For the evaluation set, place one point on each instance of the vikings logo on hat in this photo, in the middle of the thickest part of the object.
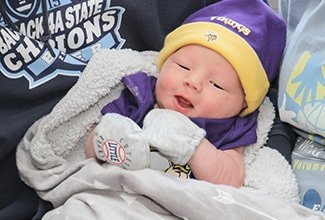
(211, 36)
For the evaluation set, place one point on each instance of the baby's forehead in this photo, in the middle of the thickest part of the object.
(195, 52)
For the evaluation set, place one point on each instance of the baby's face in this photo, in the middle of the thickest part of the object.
(199, 82)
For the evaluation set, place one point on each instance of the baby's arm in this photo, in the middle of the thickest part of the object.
(89, 149)
(217, 166)
(180, 140)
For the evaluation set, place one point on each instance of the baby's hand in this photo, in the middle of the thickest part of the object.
(173, 134)
(119, 141)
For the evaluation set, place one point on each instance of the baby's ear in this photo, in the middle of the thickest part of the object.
(244, 106)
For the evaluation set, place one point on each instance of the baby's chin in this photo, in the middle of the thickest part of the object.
(189, 112)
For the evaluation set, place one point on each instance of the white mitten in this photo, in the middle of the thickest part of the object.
(120, 141)
(173, 134)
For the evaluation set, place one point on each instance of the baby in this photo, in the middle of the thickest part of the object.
(201, 111)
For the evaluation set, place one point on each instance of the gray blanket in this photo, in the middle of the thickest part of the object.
(51, 160)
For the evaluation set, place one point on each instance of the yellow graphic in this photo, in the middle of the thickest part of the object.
(310, 86)
(298, 69)
(306, 87)
(308, 166)
(182, 171)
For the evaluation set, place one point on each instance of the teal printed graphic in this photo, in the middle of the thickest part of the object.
(22, 8)
(303, 104)
(25, 57)
(78, 29)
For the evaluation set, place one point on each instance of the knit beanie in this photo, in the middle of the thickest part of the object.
(247, 33)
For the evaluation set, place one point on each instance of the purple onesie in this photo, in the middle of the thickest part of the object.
(138, 98)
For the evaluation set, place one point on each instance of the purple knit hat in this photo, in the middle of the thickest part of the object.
(248, 33)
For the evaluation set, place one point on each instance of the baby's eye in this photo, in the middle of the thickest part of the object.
(183, 67)
(216, 85)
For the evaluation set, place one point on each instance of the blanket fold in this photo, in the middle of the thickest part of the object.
(51, 160)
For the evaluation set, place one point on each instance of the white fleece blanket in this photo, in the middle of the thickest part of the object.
(51, 160)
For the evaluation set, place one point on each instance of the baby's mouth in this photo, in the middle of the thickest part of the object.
(183, 102)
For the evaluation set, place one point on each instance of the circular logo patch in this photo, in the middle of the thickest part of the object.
(114, 152)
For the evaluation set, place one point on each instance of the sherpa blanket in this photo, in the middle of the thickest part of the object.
(51, 160)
